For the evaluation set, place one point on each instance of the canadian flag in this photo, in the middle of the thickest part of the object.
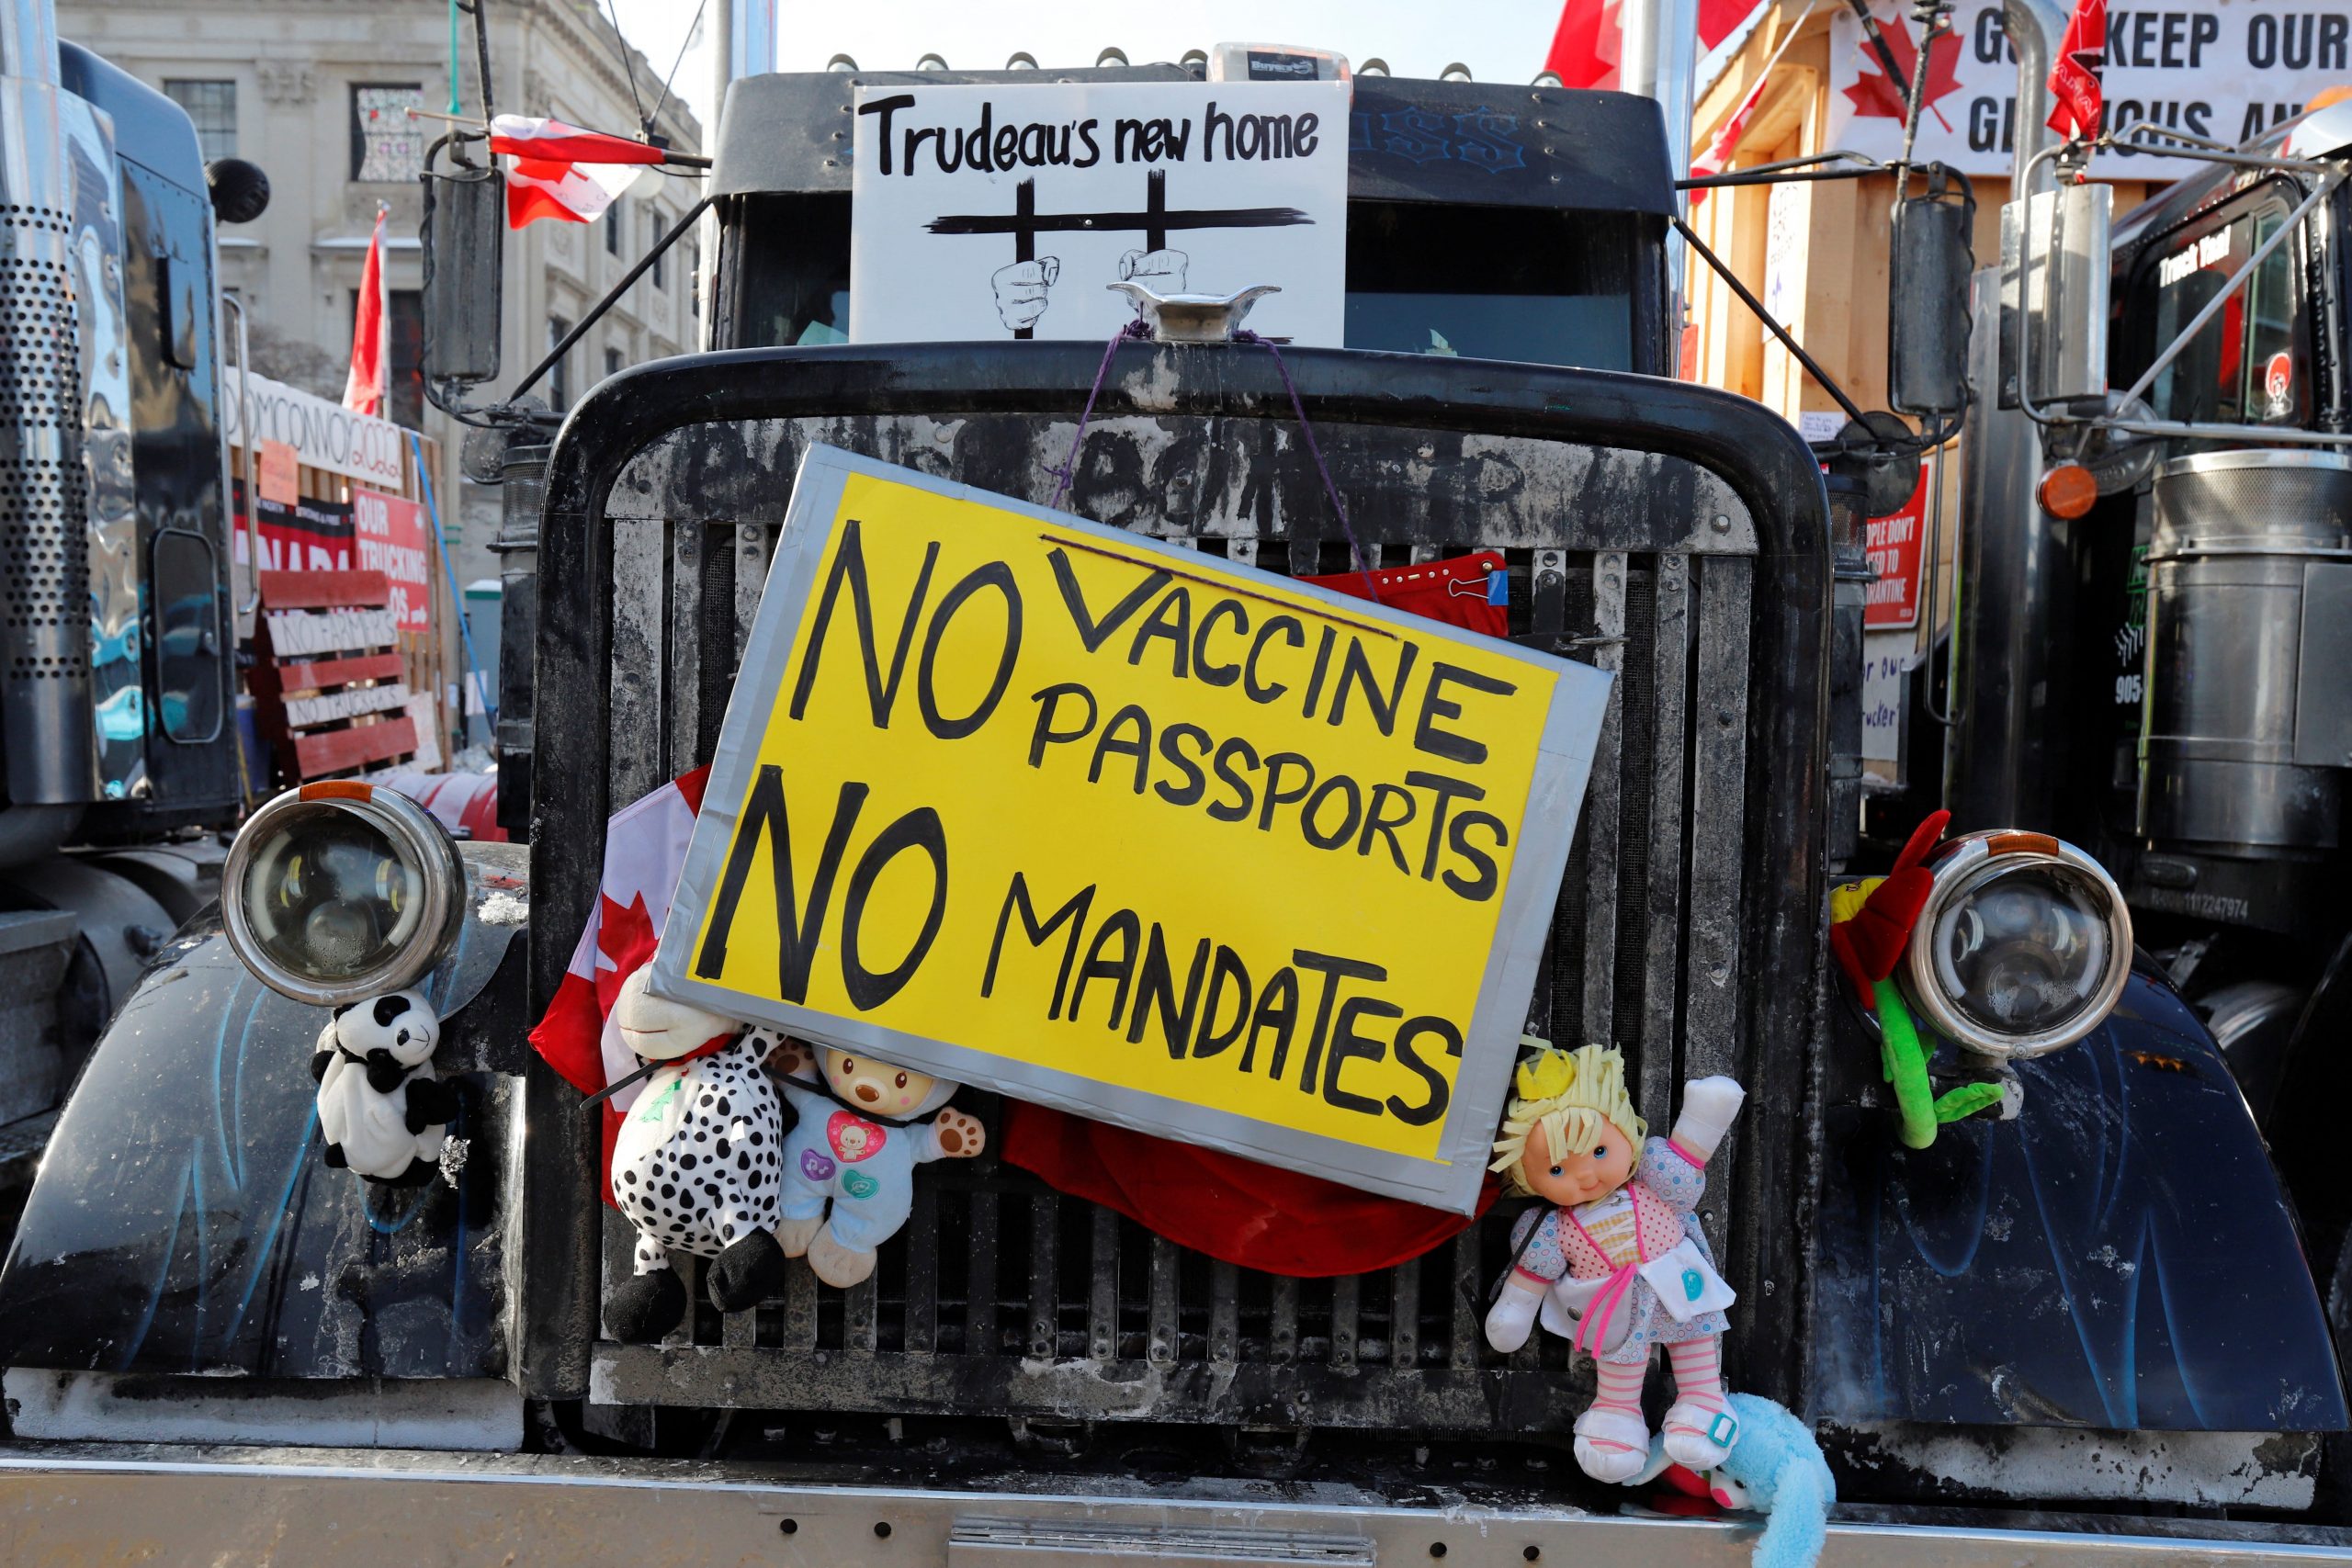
(645, 848)
(562, 172)
(570, 193)
(1724, 145)
(363, 389)
(524, 137)
(1588, 44)
(2077, 99)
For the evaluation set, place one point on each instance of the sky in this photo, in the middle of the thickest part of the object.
(1501, 40)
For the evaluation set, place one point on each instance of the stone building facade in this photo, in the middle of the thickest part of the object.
(314, 92)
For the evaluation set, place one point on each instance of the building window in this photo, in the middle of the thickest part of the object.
(560, 373)
(611, 362)
(213, 106)
(652, 243)
(613, 219)
(386, 147)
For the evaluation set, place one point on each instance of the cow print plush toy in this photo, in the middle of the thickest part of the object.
(381, 1111)
(697, 1164)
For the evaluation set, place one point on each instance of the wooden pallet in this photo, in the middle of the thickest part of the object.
(327, 680)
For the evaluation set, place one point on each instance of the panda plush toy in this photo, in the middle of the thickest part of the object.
(381, 1110)
(696, 1162)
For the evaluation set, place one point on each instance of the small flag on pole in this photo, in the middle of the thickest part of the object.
(570, 193)
(552, 140)
(2076, 97)
(364, 388)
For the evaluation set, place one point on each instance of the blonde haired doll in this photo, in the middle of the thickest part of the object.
(1617, 1264)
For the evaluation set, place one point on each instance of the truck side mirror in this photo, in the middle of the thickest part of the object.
(465, 235)
(2063, 260)
(1926, 339)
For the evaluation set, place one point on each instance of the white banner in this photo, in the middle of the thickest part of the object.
(2222, 68)
(982, 213)
(323, 435)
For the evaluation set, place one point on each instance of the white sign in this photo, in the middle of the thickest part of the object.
(323, 435)
(999, 212)
(2226, 70)
(1887, 661)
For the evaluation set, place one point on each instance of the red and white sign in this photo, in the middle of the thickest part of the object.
(1894, 542)
(2226, 70)
(2278, 375)
(391, 538)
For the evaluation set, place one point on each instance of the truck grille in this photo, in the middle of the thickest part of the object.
(1002, 1297)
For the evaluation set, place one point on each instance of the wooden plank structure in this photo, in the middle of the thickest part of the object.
(328, 678)
(428, 659)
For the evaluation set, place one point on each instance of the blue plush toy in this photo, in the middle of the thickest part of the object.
(1776, 1469)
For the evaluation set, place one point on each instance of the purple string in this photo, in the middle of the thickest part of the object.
(1307, 430)
(1140, 329)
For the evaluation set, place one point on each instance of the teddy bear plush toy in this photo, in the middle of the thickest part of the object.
(862, 1130)
(695, 1163)
(381, 1110)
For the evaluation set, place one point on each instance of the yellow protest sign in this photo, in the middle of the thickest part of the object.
(1125, 829)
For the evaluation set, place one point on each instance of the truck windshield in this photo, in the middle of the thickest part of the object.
(1530, 283)
(2249, 365)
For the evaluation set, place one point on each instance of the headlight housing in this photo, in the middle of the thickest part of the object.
(340, 891)
(2023, 946)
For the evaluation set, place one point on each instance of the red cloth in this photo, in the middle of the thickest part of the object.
(1458, 592)
(1868, 946)
(1262, 1216)
(2077, 99)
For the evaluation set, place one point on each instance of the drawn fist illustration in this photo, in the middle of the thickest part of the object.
(960, 1136)
(1021, 290)
(1162, 272)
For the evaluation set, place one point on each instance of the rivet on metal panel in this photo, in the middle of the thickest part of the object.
(1720, 522)
(749, 533)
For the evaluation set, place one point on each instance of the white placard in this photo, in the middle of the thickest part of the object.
(1887, 661)
(2226, 70)
(985, 213)
(323, 435)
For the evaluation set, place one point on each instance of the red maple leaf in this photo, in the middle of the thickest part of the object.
(1873, 94)
(625, 940)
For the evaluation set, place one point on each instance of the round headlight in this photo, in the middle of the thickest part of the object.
(2023, 946)
(340, 891)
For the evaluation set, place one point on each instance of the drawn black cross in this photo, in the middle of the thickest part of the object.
(1024, 222)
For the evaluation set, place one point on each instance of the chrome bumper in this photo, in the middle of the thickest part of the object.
(168, 1504)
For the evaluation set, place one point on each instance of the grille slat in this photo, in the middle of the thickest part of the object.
(1608, 653)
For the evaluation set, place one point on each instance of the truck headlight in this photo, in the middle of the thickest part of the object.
(2023, 946)
(340, 891)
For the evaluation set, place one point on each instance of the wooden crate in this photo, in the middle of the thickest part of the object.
(328, 678)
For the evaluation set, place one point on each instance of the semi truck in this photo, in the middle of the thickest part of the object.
(121, 757)
(2152, 674)
(2082, 1330)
